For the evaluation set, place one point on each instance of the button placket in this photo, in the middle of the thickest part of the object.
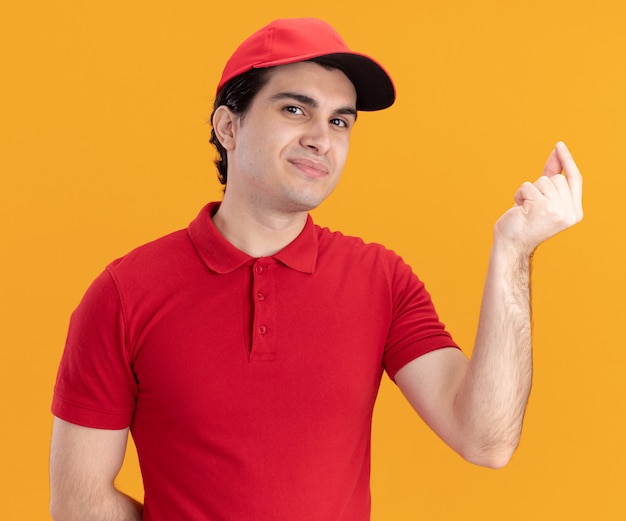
(263, 346)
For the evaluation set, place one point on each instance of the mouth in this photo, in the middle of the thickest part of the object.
(310, 167)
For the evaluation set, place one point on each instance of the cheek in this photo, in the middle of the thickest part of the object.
(256, 150)
(341, 153)
(269, 141)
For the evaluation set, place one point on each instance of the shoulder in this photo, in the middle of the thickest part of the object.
(353, 255)
(155, 255)
(338, 244)
(155, 268)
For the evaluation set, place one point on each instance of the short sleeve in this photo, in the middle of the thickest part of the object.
(415, 328)
(95, 385)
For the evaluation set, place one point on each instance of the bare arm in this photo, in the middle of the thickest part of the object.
(83, 465)
(478, 406)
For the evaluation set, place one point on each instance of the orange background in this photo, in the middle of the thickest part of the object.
(103, 146)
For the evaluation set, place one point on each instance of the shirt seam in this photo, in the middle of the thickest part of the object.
(72, 403)
(123, 313)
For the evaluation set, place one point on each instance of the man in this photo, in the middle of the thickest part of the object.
(245, 353)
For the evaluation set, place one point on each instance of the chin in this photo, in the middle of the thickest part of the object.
(307, 200)
(304, 201)
(302, 206)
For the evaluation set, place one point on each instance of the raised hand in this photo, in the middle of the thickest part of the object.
(546, 207)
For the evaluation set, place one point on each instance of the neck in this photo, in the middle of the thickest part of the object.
(259, 234)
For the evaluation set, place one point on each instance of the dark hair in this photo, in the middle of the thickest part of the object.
(237, 94)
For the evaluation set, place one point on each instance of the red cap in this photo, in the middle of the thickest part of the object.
(291, 40)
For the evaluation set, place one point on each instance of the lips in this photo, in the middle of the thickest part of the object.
(310, 167)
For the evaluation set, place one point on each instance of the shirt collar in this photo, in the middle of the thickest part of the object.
(221, 256)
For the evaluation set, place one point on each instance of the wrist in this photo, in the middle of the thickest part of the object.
(514, 247)
(511, 254)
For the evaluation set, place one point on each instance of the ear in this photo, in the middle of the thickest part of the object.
(224, 126)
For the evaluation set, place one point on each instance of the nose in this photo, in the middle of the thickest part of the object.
(316, 136)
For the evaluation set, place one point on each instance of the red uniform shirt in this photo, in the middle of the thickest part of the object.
(248, 384)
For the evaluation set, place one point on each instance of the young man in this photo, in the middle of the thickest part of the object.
(245, 352)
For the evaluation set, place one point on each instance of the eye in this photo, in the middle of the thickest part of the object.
(339, 122)
(292, 109)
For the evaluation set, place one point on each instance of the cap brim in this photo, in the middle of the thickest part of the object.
(374, 87)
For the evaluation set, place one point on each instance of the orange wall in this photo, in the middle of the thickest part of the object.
(103, 146)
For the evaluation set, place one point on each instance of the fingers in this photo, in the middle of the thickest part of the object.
(572, 174)
(549, 205)
(552, 184)
(551, 187)
(543, 187)
(527, 192)
(570, 185)
(553, 165)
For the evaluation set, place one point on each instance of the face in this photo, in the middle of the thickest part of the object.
(287, 152)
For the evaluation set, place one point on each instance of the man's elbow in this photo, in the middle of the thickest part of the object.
(62, 502)
(493, 457)
(57, 510)
(66, 508)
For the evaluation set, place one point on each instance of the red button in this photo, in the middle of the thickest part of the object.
(262, 330)
(260, 296)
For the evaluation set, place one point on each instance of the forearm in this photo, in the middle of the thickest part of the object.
(110, 506)
(492, 399)
(477, 406)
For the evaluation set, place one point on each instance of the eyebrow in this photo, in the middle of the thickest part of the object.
(311, 102)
